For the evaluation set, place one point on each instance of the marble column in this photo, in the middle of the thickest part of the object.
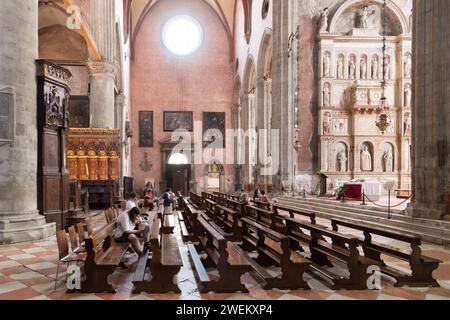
(102, 85)
(284, 87)
(431, 109)
(102, 73)
(19, 218)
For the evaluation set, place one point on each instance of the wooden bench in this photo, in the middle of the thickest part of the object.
(323, 252)
(422, 267)
(197, 200)
(189, 224)
(265, 217)
(164, 264)
(104, 255)
(273, 248)
(222, 255)
(293, 212)
(237, 206)
(228, 220)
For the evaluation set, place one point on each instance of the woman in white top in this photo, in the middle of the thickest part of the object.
(130, 227)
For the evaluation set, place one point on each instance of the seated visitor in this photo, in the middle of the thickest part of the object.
(244, 198)
(131, 201)
(130, 227)
(263, 197)
(256, 195)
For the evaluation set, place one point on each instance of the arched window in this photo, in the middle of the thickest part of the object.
(178, 159)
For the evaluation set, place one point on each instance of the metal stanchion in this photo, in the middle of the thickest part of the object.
(364, 199)
(304, 194)
(389, 204)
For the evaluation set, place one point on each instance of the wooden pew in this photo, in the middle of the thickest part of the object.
(189, 225)
(273, 248)
(293, 212)
(323, 252)
(228, 220)
(197, 200)
(422, 267)
(237, 206)
(266, 218)
(223, 255)
(164, 264)
(104, 255)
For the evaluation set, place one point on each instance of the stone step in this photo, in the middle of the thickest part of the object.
(427, 233)
(408, 223)
(353, 208)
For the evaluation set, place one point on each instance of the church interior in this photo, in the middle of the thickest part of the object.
(273, 149)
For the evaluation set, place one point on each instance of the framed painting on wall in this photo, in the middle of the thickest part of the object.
(146, 129)
(213, 123)
(178, 120)
(79, 112)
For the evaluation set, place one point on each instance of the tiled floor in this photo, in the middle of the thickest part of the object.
(27, 271)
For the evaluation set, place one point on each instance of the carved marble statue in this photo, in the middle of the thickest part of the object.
(375, 66)
(363, 68)
(327, 95)
(364, 17)
(408, 66)
(327, 123)
(408, 94)
(387, 68)
(340, 70)
(407, 125)
(352, 68)
(366, 160)
(326, 65)
(342, 161)
(323, 22)
(388, 160)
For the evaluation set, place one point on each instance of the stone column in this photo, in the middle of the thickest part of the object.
(284, 85)
(431, 109)
(102, 83)
(102, 73)
(19, 217)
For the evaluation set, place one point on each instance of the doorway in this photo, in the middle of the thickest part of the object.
(178, 177)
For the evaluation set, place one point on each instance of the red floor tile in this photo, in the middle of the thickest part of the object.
(437, 254)
(21, 294)
(404, 293)
(443, 272)
(14, 270)
(360, 295)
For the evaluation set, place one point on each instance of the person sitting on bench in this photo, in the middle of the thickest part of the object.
(263, 198)
(130, 227)
(131, 201)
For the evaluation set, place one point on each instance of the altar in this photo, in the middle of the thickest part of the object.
(355, 190)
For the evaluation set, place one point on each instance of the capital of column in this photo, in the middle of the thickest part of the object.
(103, 68)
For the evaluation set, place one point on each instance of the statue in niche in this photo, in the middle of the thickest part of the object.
(388, 160)
(407, 125)
(352, 68)
(387, 68)
(326, 65)
(342, 161)
(323, 20)
(366, 160)
(340, 70)
(408, 66)
(408, 94)
(327, 123)
(375, 65)
(364, 17)
(363, 68)
(327, 95)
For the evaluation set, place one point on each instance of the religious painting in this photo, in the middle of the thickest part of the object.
(178, 120)
(213, 127)
(79, 112)
(146, 129)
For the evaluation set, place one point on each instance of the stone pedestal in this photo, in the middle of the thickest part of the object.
(102, 82)
(431, 110)
(19, 219)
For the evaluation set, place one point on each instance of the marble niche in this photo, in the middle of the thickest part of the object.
(351, 68)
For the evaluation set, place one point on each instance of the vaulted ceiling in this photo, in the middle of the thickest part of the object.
(223, 8)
